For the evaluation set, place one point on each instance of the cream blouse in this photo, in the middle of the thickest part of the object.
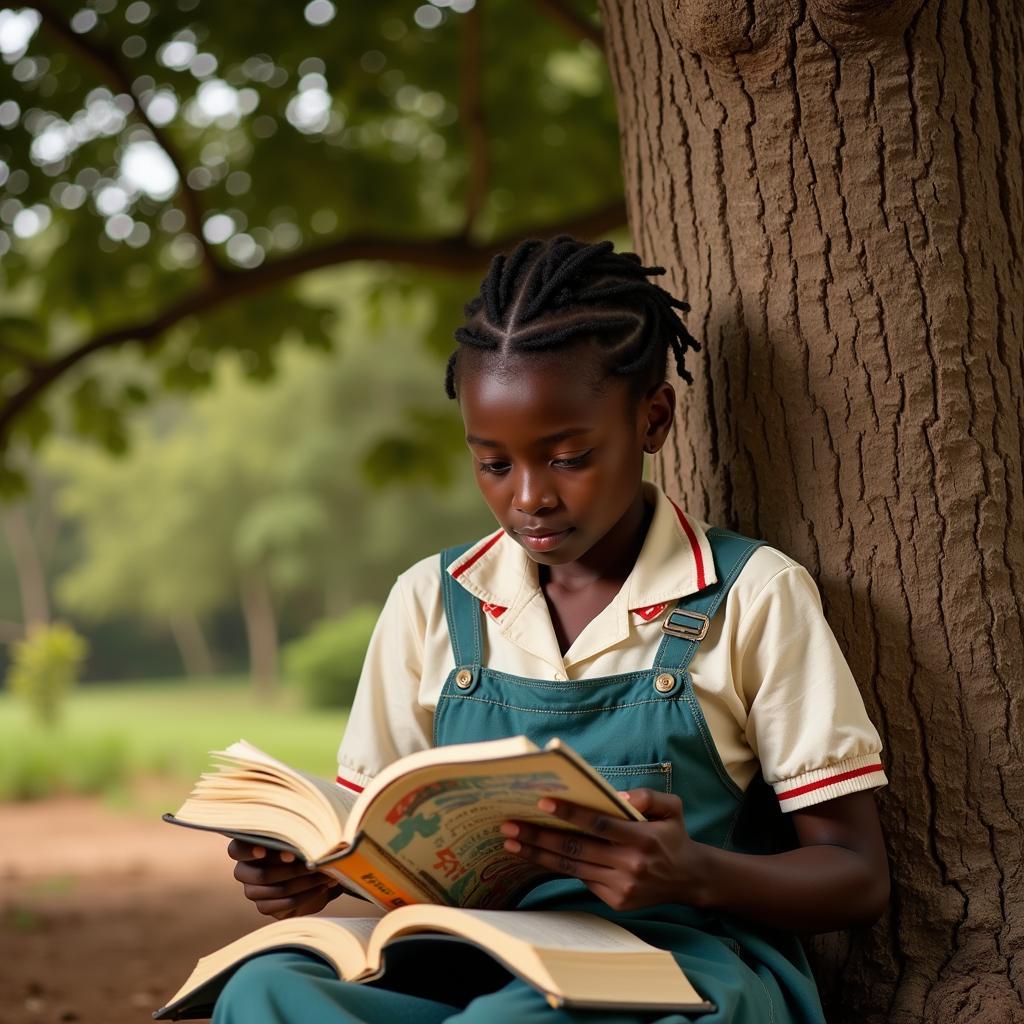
(774, 687)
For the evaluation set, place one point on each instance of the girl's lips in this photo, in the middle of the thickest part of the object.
(545, 543)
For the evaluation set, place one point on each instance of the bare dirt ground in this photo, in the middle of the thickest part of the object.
(103, 914)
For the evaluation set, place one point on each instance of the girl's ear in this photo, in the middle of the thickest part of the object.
(657, 410)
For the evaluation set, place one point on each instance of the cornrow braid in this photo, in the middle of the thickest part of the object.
(544, 295)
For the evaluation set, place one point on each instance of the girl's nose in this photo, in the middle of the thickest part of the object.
(534, 494)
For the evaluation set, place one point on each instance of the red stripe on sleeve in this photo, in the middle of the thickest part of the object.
(348, 785)
(830, 780)
(456, 573)
(694, 544)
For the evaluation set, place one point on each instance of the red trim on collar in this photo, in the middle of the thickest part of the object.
(349, 785)
(494, 610)
(650, 612)
(694, 544)
(456, 573)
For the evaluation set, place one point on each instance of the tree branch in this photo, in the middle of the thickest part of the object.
(107, 62)
(471, 116)
(452, 253)
(573, 22)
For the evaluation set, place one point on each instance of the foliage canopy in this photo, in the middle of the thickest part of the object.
(168, 171)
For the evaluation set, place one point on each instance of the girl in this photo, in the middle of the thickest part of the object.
(693, 665)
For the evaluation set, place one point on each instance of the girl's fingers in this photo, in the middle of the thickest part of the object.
(649, 802)
(613, 830)
(313, 902)
(237, 850)
(564, 864)
(287, 906)
(259, 872)
(573, 845)
(654, 805)
(296, 887)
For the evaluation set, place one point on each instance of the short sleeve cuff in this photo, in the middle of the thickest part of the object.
(351, 779)
(849, 776)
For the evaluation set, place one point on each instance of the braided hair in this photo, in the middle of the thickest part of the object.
(546, 295)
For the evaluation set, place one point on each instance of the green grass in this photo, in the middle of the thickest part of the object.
(112, 736)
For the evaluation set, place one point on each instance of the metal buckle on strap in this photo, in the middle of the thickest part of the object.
(695, 630)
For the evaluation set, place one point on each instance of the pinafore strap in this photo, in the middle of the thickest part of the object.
(688, 622)
(462, 610)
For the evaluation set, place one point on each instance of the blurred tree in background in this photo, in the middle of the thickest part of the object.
(171, 175)
(255, 493)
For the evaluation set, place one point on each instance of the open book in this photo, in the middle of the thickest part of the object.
(574, 959)
(425, 830)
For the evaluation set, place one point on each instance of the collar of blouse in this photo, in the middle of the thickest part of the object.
(675, 561)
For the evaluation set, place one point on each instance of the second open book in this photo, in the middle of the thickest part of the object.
(573, 959)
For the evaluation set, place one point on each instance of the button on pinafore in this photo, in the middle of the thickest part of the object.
(646, 728)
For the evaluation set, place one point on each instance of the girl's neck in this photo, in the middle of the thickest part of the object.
(611, 559)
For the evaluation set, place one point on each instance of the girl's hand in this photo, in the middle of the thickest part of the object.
(279, 884)
(628, 864)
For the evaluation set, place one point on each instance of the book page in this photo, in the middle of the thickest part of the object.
(360, 928)
(253, 792)
(341, 940)
(576, 959)
(573, 931)
(254, 820)
(441, 826)
(340, 799)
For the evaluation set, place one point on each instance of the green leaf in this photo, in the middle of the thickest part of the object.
(34, 424)
(23, 334)
(13, 482)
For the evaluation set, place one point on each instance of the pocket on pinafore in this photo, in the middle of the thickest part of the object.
(639, 776)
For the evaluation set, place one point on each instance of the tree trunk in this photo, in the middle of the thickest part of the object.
(835, 186)
(28, 567)
(192, 646)
(261, 632)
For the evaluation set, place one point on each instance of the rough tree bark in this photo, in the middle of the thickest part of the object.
(835, 186)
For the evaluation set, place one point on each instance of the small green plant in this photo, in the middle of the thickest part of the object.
(325, 664)
(44, 668)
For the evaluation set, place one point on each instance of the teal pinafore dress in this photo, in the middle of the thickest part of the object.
(642, 728)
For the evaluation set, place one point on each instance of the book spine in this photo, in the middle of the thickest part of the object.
(367, 877)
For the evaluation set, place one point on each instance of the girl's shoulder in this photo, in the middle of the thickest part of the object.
(766, 569)
(427, 571)
(427, 568)
(420, 584)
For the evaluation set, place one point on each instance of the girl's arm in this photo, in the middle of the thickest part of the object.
(838, 877)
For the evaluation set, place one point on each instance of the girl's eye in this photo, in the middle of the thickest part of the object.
(574, 460)
(497, 468)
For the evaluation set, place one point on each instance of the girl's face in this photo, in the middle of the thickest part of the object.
(558, 462)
